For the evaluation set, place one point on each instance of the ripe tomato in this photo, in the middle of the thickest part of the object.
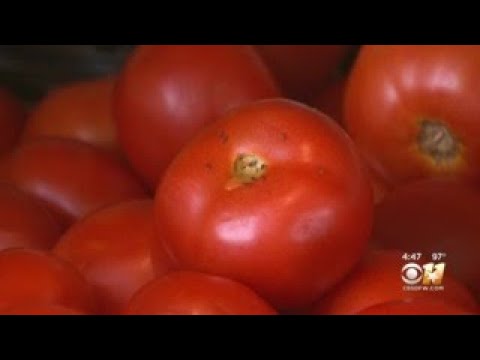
(430, 216)
(412, 110)
(166, 94)
(303, 70)
(71, 178)
(188, 293)
(12, 117)
(378, 280)
(274, 196)
(24, 222)
(40, 309)
(81, 111)
(36, 277)
(111, 248)
(416, 307)
(330, 101)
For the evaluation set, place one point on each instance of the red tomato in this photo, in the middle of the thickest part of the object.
(413, 110)
(430, 216)
(40, 309)
(36, 277)
(166, 94)
(111, 248)
(12, 117)
(416, 307)
(81, 111)
(188, 293)
(24, 222)
(378, 280)
(274, 196)
(303, 70)
(71, 178)
(330, 101)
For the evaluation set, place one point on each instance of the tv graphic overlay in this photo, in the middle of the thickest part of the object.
(423, 276)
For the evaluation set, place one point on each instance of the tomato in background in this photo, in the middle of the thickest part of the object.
(304, 70)
(31, 276)
(330, 101)
(167, 93)
(272, 195)
(189, 293)
(434, 216)
(24, 222)
(71, 178)
(12, 117)
(413, 110)
(82, 111)
(112, 249)
(377, 280)
(41, 309)
(416, 307)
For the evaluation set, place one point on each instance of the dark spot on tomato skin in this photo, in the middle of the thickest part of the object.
(209, 166)
(284, 136)
(223, 136)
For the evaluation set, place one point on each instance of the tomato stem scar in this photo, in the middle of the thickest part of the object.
(248, 168)
(437, 141)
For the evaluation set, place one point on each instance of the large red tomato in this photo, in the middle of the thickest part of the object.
(30, 276)
(166, 94)
(81, 111)
(378, 280)
(413, 110)
(416, 307)
(111, 248)
(71, 178)
(189, 293)
(304, 70)
(434, 216)
(24, 222)
(274, 196)
(12, 117)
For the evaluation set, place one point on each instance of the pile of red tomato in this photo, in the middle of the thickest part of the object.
(270, 179)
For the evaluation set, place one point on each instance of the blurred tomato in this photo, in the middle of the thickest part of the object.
(378, 280)
(330, 100)
(416, 307)
(81, 111)
(413, 110)
(111, 248)
(71, 178)
(187, 293)
(434, 216)
(24, 222)
(166, 94)
(41, 309)
(30, 276)
(272, 195)
(303, 70)
(12, 116)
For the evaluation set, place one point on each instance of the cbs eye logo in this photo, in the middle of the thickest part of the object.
(429, 274)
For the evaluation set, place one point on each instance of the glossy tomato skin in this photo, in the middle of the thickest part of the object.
(377, 280)
(430, 216)
(112, 249)
(41, 309)
(82, 111)
(24, 222)
(400, 96)
(189, 293)
(166, 93)
(71, 178)
(303, 70)
(37, 277)
(12, 117)
(291, 234)
(416, 307)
